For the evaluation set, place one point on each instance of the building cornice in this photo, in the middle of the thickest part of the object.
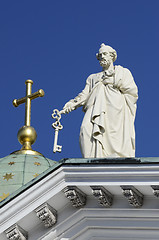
(107, 179)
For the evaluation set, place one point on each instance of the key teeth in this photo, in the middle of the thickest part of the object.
(58, 148)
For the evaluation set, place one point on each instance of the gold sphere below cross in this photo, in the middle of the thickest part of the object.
(26, 136)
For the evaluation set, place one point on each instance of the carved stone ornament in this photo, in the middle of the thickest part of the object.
(47, 215)
(16, 233)
(105, 198)
(75, 195)
(135, 198)
(155, 190)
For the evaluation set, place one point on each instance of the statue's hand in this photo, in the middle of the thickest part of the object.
(69, 106)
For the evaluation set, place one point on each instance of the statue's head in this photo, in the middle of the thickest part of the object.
(106, 55)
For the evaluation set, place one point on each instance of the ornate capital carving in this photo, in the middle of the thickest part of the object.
(155, 190)
(16, 233)
(105, 198)
(46, 214)
(75, 195)
(135, 198)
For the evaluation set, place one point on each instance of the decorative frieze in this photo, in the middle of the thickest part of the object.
(46, 214)
(16, 233)
(155, 190)
(105, 198)
(75, 195)
(135, 198)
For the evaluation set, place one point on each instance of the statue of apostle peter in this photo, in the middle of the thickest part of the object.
(109, 102)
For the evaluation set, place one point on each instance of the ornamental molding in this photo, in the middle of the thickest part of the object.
(83, 174)
(15, 232)
(105, 198)
(75, 195)
(101, 220)
(155, 190)
(47, 215)
(51, 185)
(135, 198)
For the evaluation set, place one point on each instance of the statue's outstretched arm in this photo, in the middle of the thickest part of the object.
(78, 101)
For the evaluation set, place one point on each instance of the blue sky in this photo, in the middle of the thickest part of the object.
(54, 43)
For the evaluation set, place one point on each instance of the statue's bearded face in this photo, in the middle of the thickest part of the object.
(104, 59)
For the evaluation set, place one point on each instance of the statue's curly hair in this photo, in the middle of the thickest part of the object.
(112, 51)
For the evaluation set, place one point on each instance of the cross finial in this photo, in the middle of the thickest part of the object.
(27, 100)
(27, 134)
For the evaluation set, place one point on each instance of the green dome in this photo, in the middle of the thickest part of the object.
(18, 169)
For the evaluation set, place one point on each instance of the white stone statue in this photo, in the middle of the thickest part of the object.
(109, 102)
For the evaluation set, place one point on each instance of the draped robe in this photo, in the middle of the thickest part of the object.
(109, 103)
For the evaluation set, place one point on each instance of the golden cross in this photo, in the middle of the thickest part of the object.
(27, 100)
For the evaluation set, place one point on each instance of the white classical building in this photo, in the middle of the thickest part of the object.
(81, 199)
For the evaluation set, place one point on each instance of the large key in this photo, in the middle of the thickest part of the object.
(57, 125)
(57, 148)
